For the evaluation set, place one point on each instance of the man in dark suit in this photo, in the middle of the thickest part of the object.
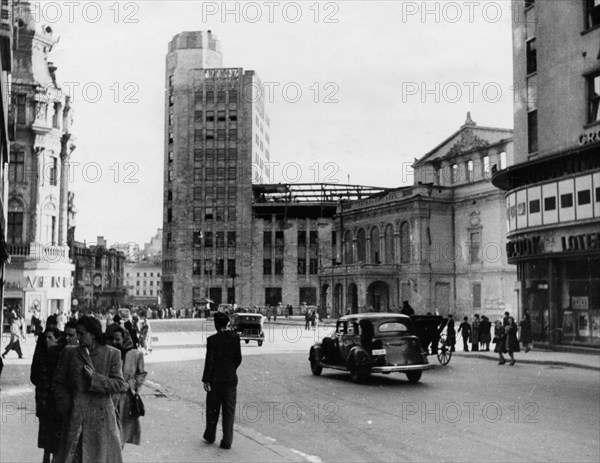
(223, 357)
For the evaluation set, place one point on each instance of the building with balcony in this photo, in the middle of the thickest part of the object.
(99, 282)
(438, 244)
(40, 273)
(553, 189)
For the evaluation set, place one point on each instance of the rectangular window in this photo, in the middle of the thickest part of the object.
(197, 174)
(534, 206)
(208, 267)
(220, 267)
(598, 194)
(566, 200)
(232, 134)
(198, 136)
(208, 213)
(233, 96)
(521, 209)
(231, 239)
(474, 247)
(531, 56)
(210, 96)
(219, 214)
(532, 132)
(169, 215)
(593, 83)
(196, 267)
(210, 134)
(301, 266)
(278, 266)
(231, 192)
(232, 115)
(220, 239)
(313, 266)
(220, 134)
(220, 173)
(231, 270)
(198, 116)
(16, 167)
(231, 213)
(231, 173)
(592, 13)
(221, 116)
(584, 197)
(550, 203)
(220, 192)
(221, 96)
(198, 155)
(266, 266)
(15, 228)
(21, 108)
(470, 177)
(208, 240)
(197, 239)
(267, 239)
(476, 295)
(197, 193)
(308, 295)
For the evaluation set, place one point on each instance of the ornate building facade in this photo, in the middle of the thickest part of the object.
(39, 276)
(438, 244)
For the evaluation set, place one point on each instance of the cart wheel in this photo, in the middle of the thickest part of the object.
(259, 343)
(444, 354)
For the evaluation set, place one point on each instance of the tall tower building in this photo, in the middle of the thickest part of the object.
(216, 144)
(39, 276)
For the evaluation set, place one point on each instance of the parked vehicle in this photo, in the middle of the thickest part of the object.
(249, 327)
(371, 343)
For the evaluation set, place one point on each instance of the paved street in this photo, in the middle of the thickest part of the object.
(470, 410)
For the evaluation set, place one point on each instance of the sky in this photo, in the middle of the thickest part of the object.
(359, 89)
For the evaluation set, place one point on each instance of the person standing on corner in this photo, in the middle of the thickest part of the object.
(223, 357)
(525, 325)
(465, 328)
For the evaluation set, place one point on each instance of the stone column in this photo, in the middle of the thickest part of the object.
(37, 176)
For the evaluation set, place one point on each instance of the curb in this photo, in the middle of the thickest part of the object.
(557, 363)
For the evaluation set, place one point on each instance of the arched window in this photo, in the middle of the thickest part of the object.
(405, 242)
(361, 248)
(389, 244)
(348, 257)
(375, 252)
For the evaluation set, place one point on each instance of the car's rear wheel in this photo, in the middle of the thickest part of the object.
(414, 376)
(315, 367)
(355, 375)
(247, 341)
(259, 343)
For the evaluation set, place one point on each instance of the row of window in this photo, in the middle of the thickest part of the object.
(221, 115)
(563, 201)
(470, 167)
(209, 155)
(210, 192)
(145, 274)
(355, 253)
(149, 292)
(207, 135)
(19, 105)
(205, 239)
(215, 213)
(208, 173)
(145, 283)
(214, 267)
(16, 169)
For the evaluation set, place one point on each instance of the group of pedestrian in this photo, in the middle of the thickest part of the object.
(85, 384)
(311, 319)
(478, 333)
(507, 339)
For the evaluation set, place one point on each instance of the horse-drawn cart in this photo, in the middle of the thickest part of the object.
(430, 330)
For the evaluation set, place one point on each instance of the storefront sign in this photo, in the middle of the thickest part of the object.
(589, 137)
(524, 247)
(585, 242)
(49, 282)
(580, 303)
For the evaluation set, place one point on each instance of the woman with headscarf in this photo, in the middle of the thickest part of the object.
(134, 374)
(86, 377)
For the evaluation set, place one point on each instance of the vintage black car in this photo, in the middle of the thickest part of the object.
(371, 343)
(249, 326)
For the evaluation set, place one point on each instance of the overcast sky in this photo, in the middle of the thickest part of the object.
(381, 82)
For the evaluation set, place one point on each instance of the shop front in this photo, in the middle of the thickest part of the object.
(559, 275)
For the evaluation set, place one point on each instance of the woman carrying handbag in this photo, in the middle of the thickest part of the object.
(134, 375)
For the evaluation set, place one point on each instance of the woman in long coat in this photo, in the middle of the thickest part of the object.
(500, 341)
(512, 342)
(134, 374)
(85, 378)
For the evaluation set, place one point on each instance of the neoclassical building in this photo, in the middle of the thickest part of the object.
(40, 273)
(438, 244)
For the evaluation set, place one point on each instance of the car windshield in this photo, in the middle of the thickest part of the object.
(392, 327)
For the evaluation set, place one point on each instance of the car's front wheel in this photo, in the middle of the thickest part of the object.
(414, 376)
(315, 367)
(259, 343)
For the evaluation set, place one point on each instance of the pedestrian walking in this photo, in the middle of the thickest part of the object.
(525, 335)
(86, 377)
(500, 341)
(134, 374)
(465, 329)
(15, 335)
(512, 342)
(145, 336)
(475, 325)
(223, 357)
(451, 333)
(314, 319)
(307, 317)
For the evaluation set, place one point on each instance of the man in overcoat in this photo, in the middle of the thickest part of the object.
(223, 357)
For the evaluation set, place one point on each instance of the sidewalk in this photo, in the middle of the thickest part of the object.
(171, 429)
